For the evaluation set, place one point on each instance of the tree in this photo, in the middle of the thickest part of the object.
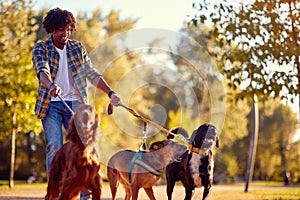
(18, 85)
(257, 45)
(96, 29)
(275, 139)
(276, 132)
(249, 38)
(234, 129)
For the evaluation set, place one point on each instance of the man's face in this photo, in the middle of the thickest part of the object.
(60, 36)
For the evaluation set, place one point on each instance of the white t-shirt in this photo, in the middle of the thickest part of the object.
(64, 79)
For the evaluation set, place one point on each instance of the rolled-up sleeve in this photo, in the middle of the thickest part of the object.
(39, 59)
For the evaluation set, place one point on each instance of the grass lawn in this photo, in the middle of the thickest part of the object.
(257, 191)
(267, 194)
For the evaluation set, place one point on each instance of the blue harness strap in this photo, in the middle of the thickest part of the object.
(137, 156)
(137, 160)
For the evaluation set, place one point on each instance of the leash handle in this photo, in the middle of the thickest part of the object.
(67, 106)
(110, 109)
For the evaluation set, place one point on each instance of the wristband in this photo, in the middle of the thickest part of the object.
(110, 93)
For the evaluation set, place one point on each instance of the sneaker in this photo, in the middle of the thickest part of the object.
(87, 195)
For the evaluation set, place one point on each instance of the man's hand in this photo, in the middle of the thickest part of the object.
(115, 100)
(55, 90)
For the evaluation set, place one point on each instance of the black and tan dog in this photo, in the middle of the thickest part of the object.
(195, 167)
(135, 170)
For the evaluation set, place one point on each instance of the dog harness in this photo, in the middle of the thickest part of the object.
(138, 160)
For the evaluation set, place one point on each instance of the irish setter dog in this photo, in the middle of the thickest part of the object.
(76, 164)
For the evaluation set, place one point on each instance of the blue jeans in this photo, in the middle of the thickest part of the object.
(58, 115)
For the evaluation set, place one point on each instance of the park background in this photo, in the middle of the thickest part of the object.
(254, 48)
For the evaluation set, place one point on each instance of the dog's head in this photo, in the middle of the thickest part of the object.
(83, 126)
(204, 137)
(167, 150)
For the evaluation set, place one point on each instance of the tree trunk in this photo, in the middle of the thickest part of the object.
(13, 148)
(253, 143)
(283, 148)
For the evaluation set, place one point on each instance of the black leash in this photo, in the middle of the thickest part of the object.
(67, 106)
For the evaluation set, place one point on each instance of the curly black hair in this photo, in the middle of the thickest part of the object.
(57, 18)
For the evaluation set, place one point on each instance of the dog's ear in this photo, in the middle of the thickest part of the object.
(156, 145)
(217, 142)
(72, 133)
(96, 128)
(96, 124)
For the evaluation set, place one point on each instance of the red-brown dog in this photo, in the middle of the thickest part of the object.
(76, 164)
(135, 170)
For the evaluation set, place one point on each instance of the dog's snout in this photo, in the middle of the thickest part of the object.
(85, 117)
(211, 135)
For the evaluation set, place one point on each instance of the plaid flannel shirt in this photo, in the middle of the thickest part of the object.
(46, 58)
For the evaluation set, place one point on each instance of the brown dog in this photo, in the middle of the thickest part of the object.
(76, 164)
(195, 168)
(135, 170)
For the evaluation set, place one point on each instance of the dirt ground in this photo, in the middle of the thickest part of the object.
(37, 192)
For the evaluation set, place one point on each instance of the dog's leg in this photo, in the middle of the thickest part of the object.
(53, 181)
(70, 194)
(170, 188)
(135, 192)
(188, 194)
(171, 175)
(71, 188)
(207, 183)
(112, 175)
(149, 192)
(95, 187)
(205, 193)
(170, 185)
(128, 192)
(189, 190)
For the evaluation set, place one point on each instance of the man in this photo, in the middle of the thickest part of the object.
(63, 68)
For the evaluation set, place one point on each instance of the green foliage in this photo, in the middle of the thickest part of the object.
(184, 119)
(234, 129)
(293, 155)
(276, 132)
(96, 29)
(256, 45)
(17, 78)
(30, 156)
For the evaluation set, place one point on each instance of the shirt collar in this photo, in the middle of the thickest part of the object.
(51, 45)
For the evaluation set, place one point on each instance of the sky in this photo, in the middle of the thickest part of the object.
(165, 14)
